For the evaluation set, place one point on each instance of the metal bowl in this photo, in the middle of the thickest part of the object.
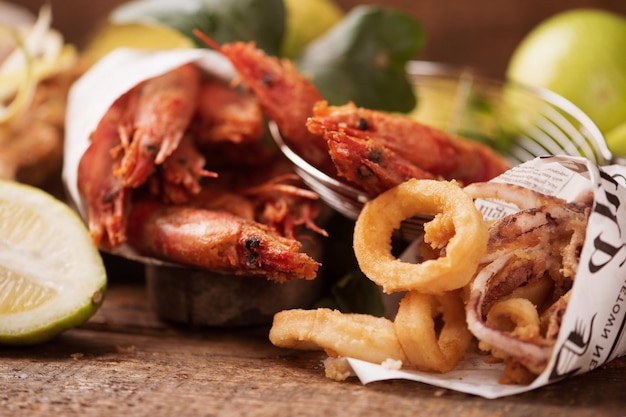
(197, 297)
(203, 298)
(535, 122)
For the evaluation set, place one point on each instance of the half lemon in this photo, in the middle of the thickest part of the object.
(52, 277)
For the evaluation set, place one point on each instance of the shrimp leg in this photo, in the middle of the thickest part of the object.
(179, 176)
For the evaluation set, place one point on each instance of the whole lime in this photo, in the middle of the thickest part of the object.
(580, 55)
(616, 140)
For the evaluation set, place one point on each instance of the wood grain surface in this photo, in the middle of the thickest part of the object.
(125, 361)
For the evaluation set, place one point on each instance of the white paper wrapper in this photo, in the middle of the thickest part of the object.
(593, 331)
(115, 74)
(193, 296)
(112, 76)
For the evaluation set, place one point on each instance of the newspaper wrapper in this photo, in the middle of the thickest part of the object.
(593, 331)
(112, 76)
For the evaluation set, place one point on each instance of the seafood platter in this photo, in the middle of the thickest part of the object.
(151, 200)
(480, 227)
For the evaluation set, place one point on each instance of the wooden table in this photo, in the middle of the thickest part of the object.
(126, 361)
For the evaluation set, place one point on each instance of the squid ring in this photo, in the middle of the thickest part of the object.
(517, 316)
(360, 336)
(457, 221)
(415, 328)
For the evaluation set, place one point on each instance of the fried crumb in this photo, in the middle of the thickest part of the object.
(125, 349)
(337, 369)
(77, 355)
(439, 393)
(392, 364)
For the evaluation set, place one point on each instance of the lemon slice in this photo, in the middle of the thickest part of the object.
(52, 277)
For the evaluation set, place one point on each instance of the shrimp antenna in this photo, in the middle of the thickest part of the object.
(206, 39)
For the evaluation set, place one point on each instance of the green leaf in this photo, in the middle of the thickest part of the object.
(349, 290)
(363, 58)
(262, 21)
(354, 293)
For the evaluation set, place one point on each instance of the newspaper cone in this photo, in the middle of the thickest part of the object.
(194, 296)
(593, 331)
(112, 76)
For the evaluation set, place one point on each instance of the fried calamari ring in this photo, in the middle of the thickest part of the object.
(517, 316)
(534, 355)
(454, 210)
(416, 330)
(360, 336)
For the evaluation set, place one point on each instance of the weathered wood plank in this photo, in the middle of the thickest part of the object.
(126, 360)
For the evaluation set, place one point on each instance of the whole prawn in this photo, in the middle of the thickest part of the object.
(243, 221)
(160, 111)
(349, 141)
(105, 195)
(286, 96)
(373, 141)
(216, 240)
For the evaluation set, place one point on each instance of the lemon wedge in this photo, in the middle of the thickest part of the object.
(52, 277)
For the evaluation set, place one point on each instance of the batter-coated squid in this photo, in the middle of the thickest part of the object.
(455, 219)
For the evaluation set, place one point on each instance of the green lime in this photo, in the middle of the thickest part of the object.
(578, 54)
(616, 140)
(307, 20)
(52, 277)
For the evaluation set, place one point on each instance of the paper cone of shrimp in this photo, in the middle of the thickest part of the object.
(165, 161)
